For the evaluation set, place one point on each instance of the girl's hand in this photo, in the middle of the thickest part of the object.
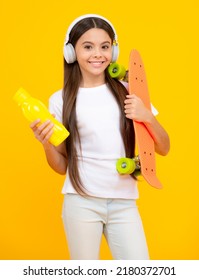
(56, 156)
(42, 131)
(135, 109)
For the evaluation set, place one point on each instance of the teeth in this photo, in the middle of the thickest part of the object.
(98, 62)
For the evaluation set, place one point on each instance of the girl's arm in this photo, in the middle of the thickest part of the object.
(56, 156)
(135, 109)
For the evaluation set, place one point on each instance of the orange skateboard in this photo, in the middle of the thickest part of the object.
(145, 162)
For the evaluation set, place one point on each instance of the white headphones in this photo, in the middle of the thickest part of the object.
(69, 51)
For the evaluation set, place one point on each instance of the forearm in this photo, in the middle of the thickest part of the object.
(56, 156)
(160, 136)
(56, 160)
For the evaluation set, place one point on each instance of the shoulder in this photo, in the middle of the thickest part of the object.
(56, 97)
(125, 84)
(56, 104)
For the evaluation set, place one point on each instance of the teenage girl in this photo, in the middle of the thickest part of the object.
(98, 112)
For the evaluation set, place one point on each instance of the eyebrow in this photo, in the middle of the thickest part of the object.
(88, 42)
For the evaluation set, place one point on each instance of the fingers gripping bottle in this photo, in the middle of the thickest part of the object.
(34, 109)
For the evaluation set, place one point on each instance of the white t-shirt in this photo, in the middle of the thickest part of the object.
(98, 122)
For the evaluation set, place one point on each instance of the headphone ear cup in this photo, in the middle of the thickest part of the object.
(69, 53)
(115, 53)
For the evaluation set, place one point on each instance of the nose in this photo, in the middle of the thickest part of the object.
(97, 53)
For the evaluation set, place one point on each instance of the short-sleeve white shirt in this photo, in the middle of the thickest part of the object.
(98, 122)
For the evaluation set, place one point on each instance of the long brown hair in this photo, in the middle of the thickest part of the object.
(72, 80)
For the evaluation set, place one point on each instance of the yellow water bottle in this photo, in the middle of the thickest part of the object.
(34, 109)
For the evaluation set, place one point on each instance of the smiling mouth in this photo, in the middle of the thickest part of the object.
(96, 62)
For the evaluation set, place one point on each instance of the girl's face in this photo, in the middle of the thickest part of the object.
(94, 54)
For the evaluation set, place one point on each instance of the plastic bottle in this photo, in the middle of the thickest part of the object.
(34, 109)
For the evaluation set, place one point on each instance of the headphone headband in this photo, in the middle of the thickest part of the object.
(87, 16)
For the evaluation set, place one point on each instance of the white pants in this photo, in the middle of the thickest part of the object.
(87, 218)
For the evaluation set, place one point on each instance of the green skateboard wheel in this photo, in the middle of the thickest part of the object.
(116, 70)
(125, 165)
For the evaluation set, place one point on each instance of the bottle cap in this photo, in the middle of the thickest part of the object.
(21, 95)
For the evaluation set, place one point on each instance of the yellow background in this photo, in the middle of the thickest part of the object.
(32, 35)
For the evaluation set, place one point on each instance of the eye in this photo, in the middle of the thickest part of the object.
(88, 47)
(105, 47)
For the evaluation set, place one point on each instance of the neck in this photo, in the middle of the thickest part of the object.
(88, 82)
